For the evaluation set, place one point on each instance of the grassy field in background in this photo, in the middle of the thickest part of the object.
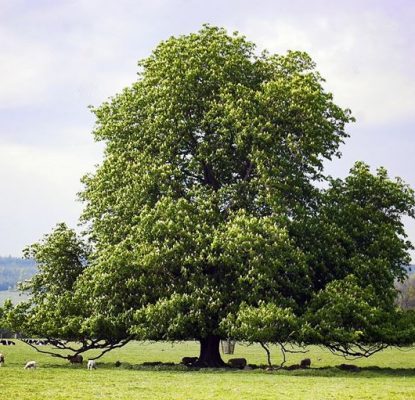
(387, 375)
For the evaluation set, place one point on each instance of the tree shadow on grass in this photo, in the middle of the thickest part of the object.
(332, 371)
(361, 372)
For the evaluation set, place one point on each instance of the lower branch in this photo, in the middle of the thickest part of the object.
(354, 351)
(283, 351)
(112, 347)
(33, 346)
(86, 345)
(265, 347)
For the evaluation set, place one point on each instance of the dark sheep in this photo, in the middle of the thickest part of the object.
(189, 361)
(305, 363)
(75, 359)
(349, 367)
(237, 363)
(7, 342)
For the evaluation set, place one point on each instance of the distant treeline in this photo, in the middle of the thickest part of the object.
(13, 270)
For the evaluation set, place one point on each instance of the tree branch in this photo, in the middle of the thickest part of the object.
(249, 166)
(354, 351)
(85, 346)
(44, 351)
(284, 359)
(209, 176)
(265, 347)
(112, 347)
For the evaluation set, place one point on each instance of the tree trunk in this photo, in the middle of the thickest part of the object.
(209, 353)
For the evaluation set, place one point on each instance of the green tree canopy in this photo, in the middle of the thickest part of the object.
(205, 207)
(56, 309)
(209, 157)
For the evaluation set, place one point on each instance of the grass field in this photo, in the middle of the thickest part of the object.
(386, 375)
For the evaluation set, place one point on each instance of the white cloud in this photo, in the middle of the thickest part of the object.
(93, 47)
(87, 49)
(39, 190)
(24, 69)
(364, 59)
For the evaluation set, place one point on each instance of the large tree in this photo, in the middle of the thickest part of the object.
(210, 156)
(205, 220)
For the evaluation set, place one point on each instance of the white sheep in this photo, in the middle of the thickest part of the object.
(30, 365)
(92, 364)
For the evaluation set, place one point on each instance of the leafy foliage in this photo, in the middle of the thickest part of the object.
(351, 319)
(56, 310)
(208, 156)
(61, 258)
(265, 323)
(204, 217)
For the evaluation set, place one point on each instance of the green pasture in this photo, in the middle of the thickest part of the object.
(386, 375)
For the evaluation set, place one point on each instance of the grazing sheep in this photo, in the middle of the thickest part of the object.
(305, 363)
(30, 365)
(189, 361)
(1, 360)
(76, 359)
(36, 342)
(349, 367)
(118, 364)
(237, 363)
(92, 364)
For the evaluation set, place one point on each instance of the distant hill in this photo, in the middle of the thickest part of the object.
(13, 270)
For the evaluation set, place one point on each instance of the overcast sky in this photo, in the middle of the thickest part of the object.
(57, 57)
